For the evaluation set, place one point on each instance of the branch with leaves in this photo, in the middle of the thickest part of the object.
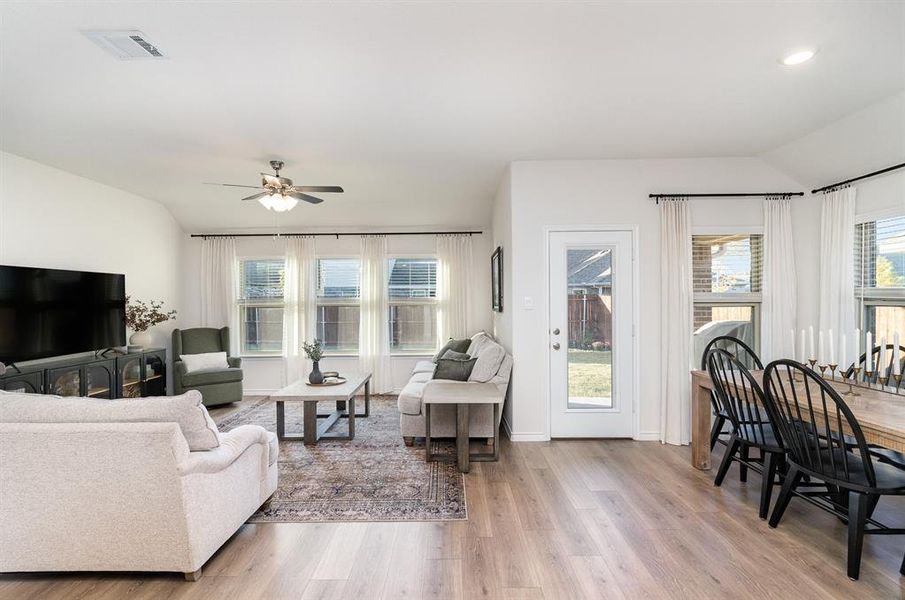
(314, 350)
(141, 316)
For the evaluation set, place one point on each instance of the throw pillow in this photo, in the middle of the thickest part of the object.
(186, 410)
(490, 357)
(207, 360)
(477, 342)
(455, 355)
(456, 345)
(454, 369)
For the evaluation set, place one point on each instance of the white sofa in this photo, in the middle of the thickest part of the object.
(443, 417)
(83, 487)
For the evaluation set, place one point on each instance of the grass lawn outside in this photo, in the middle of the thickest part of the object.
(590, 373)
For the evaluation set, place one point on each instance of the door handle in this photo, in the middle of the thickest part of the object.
(556, 345)
(556, 331)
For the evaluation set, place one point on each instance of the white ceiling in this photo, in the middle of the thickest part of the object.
(416, 108)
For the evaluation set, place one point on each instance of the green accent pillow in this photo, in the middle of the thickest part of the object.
(452, 354)
(454, 369)
(455, 345)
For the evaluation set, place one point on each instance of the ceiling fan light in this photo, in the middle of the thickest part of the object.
(280, 203)
(290, 202)
(266, 202)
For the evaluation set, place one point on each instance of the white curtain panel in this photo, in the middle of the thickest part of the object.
(300, 308)
(454, 254)
(779, 305)
(837, 242)
(675, 321)
(219, 270)
(373, 332)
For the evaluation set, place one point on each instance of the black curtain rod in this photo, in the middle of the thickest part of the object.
(854, 179)
(334, 234)
(658, 197)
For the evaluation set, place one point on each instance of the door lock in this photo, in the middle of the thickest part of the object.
(556, 345)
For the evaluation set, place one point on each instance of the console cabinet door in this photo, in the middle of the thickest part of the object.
(24, 383)
(100, 380)
(65, 381)
(129, 376)
(155, 374)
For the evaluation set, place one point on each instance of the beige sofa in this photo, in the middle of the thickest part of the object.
(443, 417)
(84, 487)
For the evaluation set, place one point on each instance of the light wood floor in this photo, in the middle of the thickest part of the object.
(566, 519)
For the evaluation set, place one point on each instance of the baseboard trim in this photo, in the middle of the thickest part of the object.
(529, 437)
(648, 436)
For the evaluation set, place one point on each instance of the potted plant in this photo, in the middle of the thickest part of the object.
(315, 352)
(141, 316)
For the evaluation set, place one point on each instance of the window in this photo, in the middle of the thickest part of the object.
(880, 276)
(726, 277)
(338, 303)
(413, 304)
(260, 306)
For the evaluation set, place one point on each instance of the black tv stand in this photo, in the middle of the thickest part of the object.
(94, 374)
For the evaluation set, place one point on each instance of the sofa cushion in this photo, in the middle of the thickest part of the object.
(454, 369)
(211, 376)
(409, 401)
(204, 361)
(196, 425)
(457, 345)
(424, 366)
(489, 358)
(478, 340)
(422, 377)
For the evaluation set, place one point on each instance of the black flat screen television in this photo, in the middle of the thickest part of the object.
(51, 312)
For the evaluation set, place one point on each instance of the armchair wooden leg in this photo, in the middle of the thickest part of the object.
(193, 576)
(409, 440)
(489, 441)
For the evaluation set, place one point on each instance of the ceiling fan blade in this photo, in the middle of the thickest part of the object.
(276, 181)
(318, 188)
(254, 187)
(256, 196)
(305, 197)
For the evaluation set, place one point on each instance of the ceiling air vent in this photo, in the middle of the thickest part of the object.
(127, 44)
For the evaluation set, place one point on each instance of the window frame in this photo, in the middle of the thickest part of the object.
(346, 301)
(732, 299)
(426, 301)
(867, 298)
(241, 304)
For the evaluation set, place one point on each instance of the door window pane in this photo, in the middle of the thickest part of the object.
(590, 322)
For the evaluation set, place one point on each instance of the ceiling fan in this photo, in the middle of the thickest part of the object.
(279, 195)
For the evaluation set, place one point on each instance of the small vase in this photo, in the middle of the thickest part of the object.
(140, 338)
(316, 377)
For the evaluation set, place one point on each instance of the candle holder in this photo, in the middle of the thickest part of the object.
(833, 372)
(898, 380)
(822, 370)
(868, 375)
(852, 381)
(883, 381)
(812, 362)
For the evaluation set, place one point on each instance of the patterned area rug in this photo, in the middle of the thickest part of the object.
(374, 477)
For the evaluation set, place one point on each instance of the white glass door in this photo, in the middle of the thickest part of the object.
(591, 339)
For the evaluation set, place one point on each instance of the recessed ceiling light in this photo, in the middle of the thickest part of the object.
(798, 56)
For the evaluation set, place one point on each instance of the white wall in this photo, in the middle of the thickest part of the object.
(54, 219)
(608, 192)
(502, 238)
(266, 374)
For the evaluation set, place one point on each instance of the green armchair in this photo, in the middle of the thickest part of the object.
(217, 386)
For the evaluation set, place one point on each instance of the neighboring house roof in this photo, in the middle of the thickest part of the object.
(589, 268)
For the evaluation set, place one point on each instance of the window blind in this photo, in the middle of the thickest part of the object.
(261, 279)
(880, 254)
(413, 278)
(338, 278)
(727, 264)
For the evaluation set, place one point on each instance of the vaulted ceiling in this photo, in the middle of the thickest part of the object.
(416, 108)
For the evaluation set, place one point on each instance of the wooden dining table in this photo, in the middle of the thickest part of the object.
(881, 415)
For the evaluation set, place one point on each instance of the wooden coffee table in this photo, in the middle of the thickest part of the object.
(344, 396)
